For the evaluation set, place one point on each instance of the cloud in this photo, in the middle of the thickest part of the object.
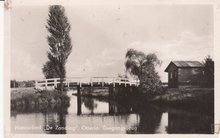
(110, 61)
(102, 35)
(23, 67)
(185, 46)
(104, 63)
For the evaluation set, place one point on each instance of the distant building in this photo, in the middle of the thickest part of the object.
(182, 73)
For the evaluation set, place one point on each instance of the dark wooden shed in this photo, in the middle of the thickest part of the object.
(185, 73)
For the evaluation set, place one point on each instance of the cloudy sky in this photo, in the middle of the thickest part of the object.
(101, 35)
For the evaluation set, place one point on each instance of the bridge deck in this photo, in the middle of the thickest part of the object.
(86, 82)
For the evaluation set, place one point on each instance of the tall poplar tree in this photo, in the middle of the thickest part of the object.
(59, 43)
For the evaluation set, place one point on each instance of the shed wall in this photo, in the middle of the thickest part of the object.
(173, 76)
(190, 76)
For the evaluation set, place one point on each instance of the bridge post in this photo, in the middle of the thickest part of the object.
(46, 84)
(79, 102)
(113, 82)
(91, 83)
(111, 109)
(68, 83)
(36, 84)
(55, 83)
(111, 92)
(102, 82)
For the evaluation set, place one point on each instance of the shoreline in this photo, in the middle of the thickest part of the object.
(174, 96)
(201, 97)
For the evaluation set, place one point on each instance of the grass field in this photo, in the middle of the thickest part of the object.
(186, 94)
(23, 98)
(22, 92)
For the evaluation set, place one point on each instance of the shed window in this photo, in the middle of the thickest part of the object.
(171, 75)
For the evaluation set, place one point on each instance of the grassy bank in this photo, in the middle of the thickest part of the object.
(183, 95)
(203, 97)
(29, 98)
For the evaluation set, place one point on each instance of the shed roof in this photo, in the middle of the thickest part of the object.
(185, 64)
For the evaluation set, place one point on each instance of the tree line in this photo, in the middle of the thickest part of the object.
(21, 84)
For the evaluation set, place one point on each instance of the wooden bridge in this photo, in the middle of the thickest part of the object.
(86, 82)
(78, 82)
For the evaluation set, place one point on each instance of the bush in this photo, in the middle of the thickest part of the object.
(42, 100)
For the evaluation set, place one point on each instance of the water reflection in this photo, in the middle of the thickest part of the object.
(55, 123)
(90, 104)
(109, 117)
(149, 121)
(105, 107)
(187, 124)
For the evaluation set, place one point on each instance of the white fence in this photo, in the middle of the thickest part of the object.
(79, 81)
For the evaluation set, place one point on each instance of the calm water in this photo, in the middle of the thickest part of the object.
(95, 116)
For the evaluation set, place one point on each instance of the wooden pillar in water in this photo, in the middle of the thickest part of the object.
(111, 95)
(111, 108)
(79, 102)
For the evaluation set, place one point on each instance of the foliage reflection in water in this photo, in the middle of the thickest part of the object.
(109, 117)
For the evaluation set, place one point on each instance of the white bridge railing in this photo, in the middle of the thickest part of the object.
(79, 81)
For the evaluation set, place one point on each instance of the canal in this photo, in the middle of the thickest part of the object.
(108, 117)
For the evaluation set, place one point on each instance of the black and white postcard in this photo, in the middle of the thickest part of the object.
(145, 68)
